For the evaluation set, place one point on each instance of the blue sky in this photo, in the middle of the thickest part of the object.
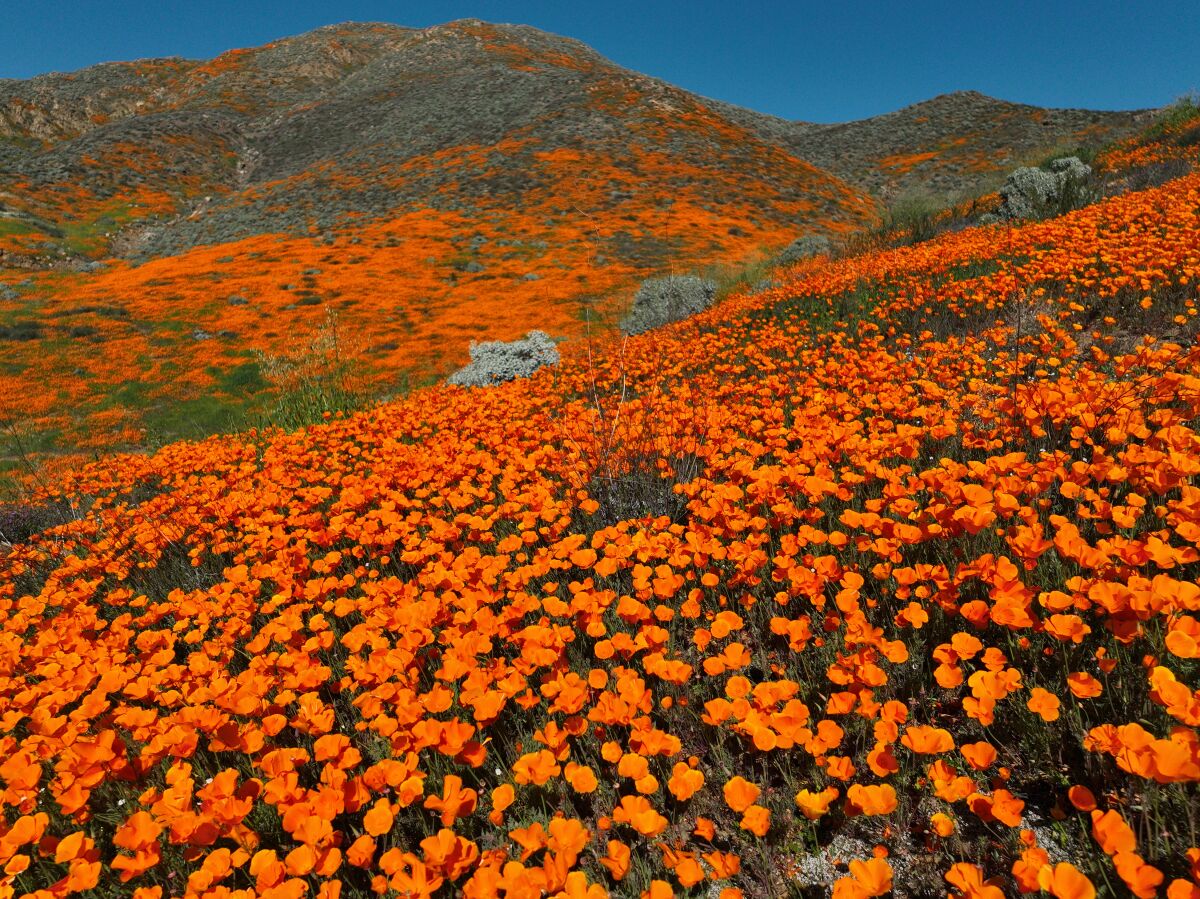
(817, 61)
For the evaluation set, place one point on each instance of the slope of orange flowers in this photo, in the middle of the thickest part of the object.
(560, 247)
(410, 295)
(901, 554)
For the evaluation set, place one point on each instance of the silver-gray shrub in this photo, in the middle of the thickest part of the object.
(496, 361)
(1031, 193)
(805, 248)
(660, 301)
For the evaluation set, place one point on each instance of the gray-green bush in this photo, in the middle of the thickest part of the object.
(496, 361)
(660, 301)
(1036, 193)
(804, 248)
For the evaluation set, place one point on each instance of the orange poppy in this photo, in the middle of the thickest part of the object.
(871, 800)
(740, 793)
(1082, 798)
(1044, 703)
(1065, 881)
(639, 814)
(816, 805)
(925, 740)
(979, 756)
(685, 781)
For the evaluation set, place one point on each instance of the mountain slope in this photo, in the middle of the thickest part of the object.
(146, 138)
(163, 223)
(828, 582)
(951, 144)
(312, 134)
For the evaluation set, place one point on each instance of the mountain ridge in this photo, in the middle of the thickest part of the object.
(291, 91)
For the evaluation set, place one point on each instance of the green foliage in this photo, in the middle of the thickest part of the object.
(913, 217)
(660, 301)
(1074, 193)
(243, 379)
(14, 226)
(21, 331)
(1085, 153)
(90, 237)
(734, 278)
(191, 419)
(312, 381)
(1183, 111)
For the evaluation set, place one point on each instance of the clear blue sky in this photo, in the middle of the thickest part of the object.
(817, 61)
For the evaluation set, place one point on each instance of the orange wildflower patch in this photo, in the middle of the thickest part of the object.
(516, 641)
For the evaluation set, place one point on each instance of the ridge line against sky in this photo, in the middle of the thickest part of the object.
(809, 61)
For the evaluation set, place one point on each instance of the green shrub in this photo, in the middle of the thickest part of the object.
(913, 217)
(313, 380)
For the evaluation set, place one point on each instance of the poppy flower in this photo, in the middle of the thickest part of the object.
(740, 793)
(639, 814)
(757, 820)
(1141, 878)
(1044, 703)
(1112, 832)
(1065, 881)
(455, 801)
(685, 781)
(871, 800)
(616, 860)
(1083, 685)
(968, 880)
(872, 877)
(979, 756)
(925, 740)
(816, 805)
(536, 768)
(943, 825)
(1082, 798)
(379, 819)
(581, 778)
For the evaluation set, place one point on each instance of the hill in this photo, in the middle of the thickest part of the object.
(174, 233)
(880, 580)
(312, 135)
(953, 145)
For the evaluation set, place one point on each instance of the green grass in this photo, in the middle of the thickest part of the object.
(241, 380)
(1182, 111)
(194, 418)
(11, 227)
(87, 238)
(913, 216)
(734, 278)
(1086, 153)
(20, 447)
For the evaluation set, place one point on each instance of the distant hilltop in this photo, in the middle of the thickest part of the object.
(352, 123)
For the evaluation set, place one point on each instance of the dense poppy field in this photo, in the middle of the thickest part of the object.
(411, 292)
(163, 268)
(883, 578)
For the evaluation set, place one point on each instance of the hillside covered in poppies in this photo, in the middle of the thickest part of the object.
(879, 579)
(166, 222)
